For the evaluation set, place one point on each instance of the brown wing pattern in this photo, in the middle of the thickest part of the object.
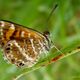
(22, 46)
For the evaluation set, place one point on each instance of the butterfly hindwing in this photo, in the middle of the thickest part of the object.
(22, 46)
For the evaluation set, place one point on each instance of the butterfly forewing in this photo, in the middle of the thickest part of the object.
(22, 46)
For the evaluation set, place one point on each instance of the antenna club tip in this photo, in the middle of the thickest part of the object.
(56, 5)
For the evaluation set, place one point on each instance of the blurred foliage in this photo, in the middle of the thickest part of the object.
(64, 27)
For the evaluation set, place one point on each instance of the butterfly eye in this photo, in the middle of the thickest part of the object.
(46, 33)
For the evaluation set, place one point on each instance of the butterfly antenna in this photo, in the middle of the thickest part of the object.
(52, 11)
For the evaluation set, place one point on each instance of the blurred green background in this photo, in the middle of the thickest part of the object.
(64, 27)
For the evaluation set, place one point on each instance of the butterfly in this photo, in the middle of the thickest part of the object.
(21, 45)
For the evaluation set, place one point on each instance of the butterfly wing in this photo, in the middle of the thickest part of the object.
(22, 46)
(16, 52)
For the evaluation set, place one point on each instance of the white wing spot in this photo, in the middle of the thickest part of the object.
(2, 23)
(22, 34)
(29, 35)
(1, 31)
(32, 44)
(12, 26)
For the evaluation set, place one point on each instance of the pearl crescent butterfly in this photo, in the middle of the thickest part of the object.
(21, 45)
